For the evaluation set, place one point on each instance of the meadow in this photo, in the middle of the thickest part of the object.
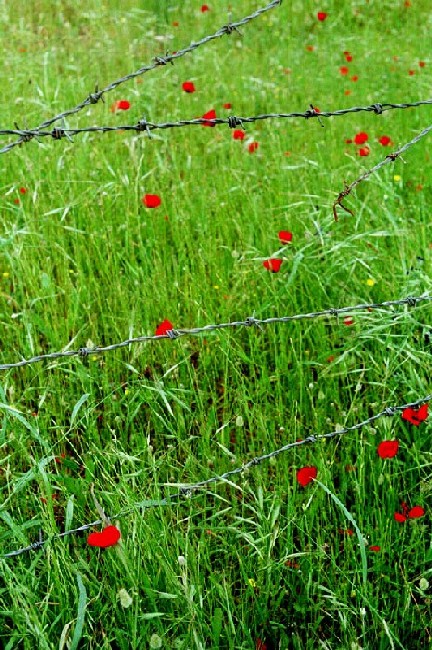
(326, 545)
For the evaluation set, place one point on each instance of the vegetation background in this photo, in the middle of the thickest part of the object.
(261, 562)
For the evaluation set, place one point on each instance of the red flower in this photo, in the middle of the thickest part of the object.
(346, 531)
(227, 105)
(120, 105)
(343, 69)
(361, 138)
(164, 327)
(253, 146)
(348, 56)
(22, 190)
(188, 86)
(205, 8)
(273, 265)
(411, 72)
(210, 115)
(285, 236)
(414, 416)
(306, 474)
(260, 644)
(151, 200)
(375, 548)
(388, 448)
(108, 537)
(238, 134)
(310, 48)
(364, 151)
(348, 320)
(349, 141)
(321, 15)
(422, 64)
(384, 140)
(416, 512)
(399, 517)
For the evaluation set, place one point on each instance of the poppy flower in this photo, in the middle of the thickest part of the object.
(375, 548)
(399, 517)
(285, 236)
(120, 105)
(422, 64)
(349, 141)
(108, 537)
(204, 8)
(238, 134)
(188, 86)
(210, 115)
(22, 190)
(348, 56)
(227, 105)
(343, 70)
(415, 416)
(348, 320)
(151, 200)
(321, 15)
(346, 531)
(306, 474)
(309, 48)
(361, 138)
(364, 151)
(253, 146)
(411, 73)
(273, 265)
(384, 140)
(416, 512)
(388, 448)
(164, 327)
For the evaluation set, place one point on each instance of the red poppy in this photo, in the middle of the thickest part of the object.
(343, 69)
(164, 327)
(348, 320)
(364, 151)
(22, 190)
(414, 416)
(399, 517)
(205, 8)
(388, 448)
(346, 531)
(175, 23)
(416, 512)
(349, 141)
(151, 200)
(210, 115)
(253, 146)
(375, 548)
(273, 265)
(108, 537)
(422, 64)
(384, 140)
(354, 78)
(285, 236)
(120, 105)
(227, 105)
(309, 48)
(348, 56)
(188, 86)
(321, 15)
(411, 72)
(238, 134)
(306, 474)
(361, 138)
(260, 644)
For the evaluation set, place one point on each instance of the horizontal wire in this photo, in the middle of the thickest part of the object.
(248, 322)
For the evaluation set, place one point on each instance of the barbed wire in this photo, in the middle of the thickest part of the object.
(389, 158)
(250, 321)
(97, 95)
(232, 121)
(187, 490)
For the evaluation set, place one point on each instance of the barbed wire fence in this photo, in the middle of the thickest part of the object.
(26, 135)
(187, 490)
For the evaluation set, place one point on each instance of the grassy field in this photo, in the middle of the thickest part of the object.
(260, 562)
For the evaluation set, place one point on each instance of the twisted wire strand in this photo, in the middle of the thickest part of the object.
(248, 322)
(232, 121)
(187, 490)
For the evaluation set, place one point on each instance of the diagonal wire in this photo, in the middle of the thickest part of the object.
(232, 121)
(248, 322)
(97, 95)
(187, 490)
(390, 158)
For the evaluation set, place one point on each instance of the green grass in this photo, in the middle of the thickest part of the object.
(82, 262)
